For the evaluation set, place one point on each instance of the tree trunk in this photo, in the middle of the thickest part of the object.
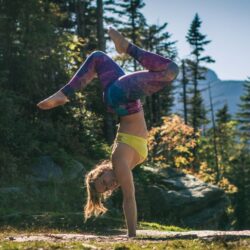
(80, 17)
(184, 85)
(108, 127)
(214, 136)
(133, 30)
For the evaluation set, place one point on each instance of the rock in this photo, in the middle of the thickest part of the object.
(75, 170)
(186, 201)
(47, 170)
(211, 215)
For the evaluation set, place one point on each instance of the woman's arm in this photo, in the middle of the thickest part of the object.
(130, 212)
(124, 176)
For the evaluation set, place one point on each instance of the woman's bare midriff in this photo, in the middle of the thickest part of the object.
(134, 124)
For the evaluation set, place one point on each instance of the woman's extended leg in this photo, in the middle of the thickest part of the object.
(97, 64)
(160, 72)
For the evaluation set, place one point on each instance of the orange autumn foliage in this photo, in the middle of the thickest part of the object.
(172, 143)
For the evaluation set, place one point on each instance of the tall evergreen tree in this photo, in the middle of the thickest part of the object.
(225, 124)
(114, 13)
(32, 65)
(243, 114)
(234, 162)
(224, 135)
(197, 112)
(136, 22)
(39, 56)
(85, 19)
(197, 41)
(222, 115)
(109, 127)
(243, 117)
(132, 24)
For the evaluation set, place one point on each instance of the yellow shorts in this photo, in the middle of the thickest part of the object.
(139, 144)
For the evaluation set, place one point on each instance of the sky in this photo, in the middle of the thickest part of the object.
(225, 22)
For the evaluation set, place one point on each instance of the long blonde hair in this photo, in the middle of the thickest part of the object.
(94, 205)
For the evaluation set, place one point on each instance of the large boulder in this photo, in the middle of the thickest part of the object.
(182, 199)
(74, 171)
(47, 170)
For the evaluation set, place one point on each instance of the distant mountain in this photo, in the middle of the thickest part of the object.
(222, 92)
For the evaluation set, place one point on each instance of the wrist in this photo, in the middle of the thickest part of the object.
(131, 235)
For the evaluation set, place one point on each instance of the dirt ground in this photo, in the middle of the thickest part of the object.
(152, 235)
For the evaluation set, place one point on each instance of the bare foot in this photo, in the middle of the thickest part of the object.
(53, 101)
(121, 43)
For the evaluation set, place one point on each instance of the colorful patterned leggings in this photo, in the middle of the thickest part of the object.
(122, 92)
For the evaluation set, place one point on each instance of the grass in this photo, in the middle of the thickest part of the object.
(160, 227)
(130, 245)
(73, 222)
(68, 222)
(18, 224)
(141, 242)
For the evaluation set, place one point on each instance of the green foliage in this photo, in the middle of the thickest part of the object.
(172, 143)
(227, 149)
(244, 114)
(40, 59)
(240, 171)
(222, 115)
(197, 40)
(131, 25)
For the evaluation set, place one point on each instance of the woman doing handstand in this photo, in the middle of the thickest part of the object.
(122, 95)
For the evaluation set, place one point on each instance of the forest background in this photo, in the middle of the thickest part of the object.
(43, 43)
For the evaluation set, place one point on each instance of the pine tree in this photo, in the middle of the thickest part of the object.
(39, 57)
(197, 41)
(85, 19)
(241, 178)
(197, 112)
(33, 64)
(225, 135)
(114, 13)
(109, 128)
(131, 24)
(244, 113)
(222, 115)
(3, 45)
(234, 164)
(243, 117)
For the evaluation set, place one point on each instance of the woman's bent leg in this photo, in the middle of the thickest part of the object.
(143, 83)
(148, 60)
(161, 72)
(97, 64)
(125, 92)
(152, 61)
